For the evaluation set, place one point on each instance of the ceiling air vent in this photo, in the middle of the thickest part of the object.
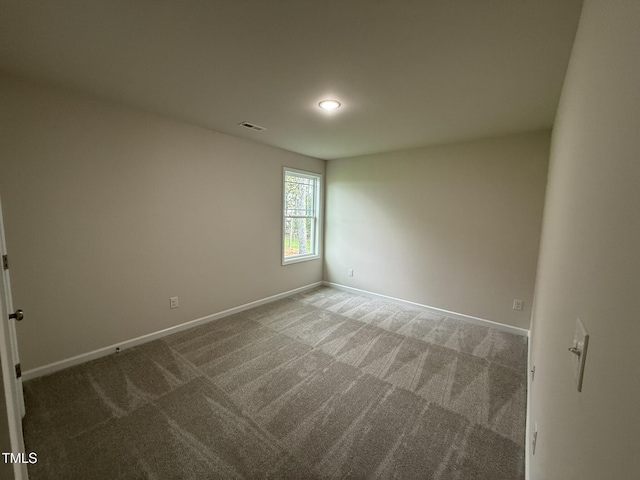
(252, 126)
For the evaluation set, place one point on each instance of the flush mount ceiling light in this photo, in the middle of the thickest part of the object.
(329, 104)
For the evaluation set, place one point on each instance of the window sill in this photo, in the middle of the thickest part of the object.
(301, 258)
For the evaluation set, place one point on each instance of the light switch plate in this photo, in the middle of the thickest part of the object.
(580, 344)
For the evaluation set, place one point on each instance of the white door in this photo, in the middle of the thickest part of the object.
(12, 382)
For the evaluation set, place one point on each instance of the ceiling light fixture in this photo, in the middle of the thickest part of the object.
(329, 104)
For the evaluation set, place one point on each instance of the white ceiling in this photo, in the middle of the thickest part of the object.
(408, 73)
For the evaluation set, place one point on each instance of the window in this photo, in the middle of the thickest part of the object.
(301, 216)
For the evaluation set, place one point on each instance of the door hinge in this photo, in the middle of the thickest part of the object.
(5, 262)
(18, 371)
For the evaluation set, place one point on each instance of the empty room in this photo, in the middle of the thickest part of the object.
(320, 240)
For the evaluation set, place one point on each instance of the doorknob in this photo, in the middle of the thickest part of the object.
(19, 315)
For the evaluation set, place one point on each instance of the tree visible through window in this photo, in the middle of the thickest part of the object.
(301, 212)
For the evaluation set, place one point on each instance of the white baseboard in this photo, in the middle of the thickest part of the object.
(459, 316)
(108, 350)
(102, 352)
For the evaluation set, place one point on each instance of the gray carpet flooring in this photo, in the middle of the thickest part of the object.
(322, 385)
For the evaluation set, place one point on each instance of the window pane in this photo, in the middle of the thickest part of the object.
(300, 196)
(298, 237)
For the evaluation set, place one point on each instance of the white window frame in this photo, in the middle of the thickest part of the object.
(316, 217)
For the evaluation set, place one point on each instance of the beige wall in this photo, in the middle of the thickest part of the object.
(590, 259)
(455, 227)
(110, 211)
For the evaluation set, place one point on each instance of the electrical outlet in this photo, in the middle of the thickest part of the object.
(173, 302)
(351, 272)
(517, 304)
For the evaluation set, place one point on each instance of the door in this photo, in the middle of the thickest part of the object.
(11, 381)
